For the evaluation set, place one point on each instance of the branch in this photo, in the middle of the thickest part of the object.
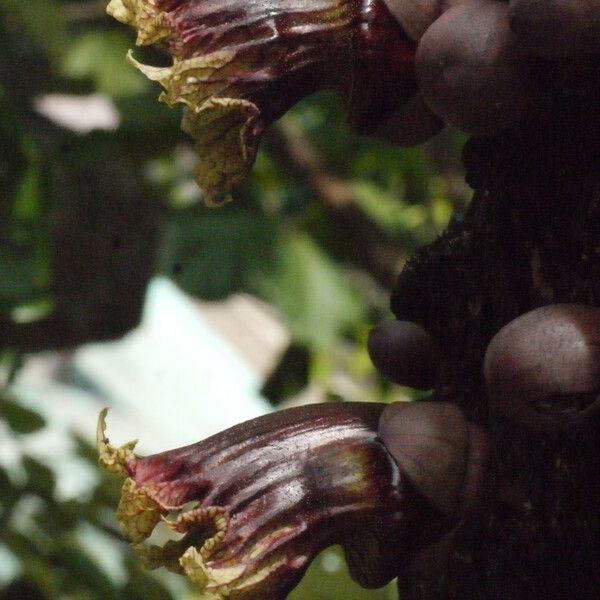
(375, 249)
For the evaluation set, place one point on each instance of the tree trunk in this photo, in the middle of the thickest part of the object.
(530, 237)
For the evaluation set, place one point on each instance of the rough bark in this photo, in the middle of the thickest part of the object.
(530, 237)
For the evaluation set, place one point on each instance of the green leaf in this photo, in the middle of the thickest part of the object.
(100, 56)
(35, 563)
(212, 253)
(61, 518)
(20, 419)
(312, 291)
(10, 494)
(85, 450)
(14, 161)
(84, 574)
(43, 21)
(40, 479)
(390, 213)
(25, 268)
(22, 588)
(142, 585)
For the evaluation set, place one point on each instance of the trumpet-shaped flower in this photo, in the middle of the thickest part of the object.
(253, 505)
(238, 65)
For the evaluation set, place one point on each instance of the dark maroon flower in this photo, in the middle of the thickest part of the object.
(238, 65)
(254, 505)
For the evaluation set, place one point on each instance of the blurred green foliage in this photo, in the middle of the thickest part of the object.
(49, 545)
(87, 218)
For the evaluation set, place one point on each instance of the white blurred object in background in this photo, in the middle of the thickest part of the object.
(81, 114)
(172, 381)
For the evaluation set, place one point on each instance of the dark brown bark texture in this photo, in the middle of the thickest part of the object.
(530, 237)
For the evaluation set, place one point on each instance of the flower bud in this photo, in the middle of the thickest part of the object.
(542, 369)
(470, 69)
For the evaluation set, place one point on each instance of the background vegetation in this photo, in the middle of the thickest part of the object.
(319, 231)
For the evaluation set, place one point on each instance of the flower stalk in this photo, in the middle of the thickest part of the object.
(252, 506)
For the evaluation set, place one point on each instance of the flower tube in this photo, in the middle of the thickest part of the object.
(238, 65)
(253, 505)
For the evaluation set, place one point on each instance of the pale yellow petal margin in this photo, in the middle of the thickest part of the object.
(137, 513)
(226, 129)
(151, 23)
(191, 81)
(237, 581)
(220, 582)
(111, 458)
(227, 132)
(228, 582)
(216, 584)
